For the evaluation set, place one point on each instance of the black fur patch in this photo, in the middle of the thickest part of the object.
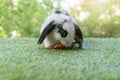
(62, 32)
(59, 12)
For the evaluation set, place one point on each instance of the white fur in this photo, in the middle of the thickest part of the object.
(67, 41)
(58, 18)
(54, 37)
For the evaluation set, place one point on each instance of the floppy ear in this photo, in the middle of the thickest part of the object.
(46, 31)
(78, 36)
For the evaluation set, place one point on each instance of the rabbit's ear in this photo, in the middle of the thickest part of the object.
(46, 31)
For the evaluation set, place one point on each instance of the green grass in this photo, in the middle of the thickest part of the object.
(23, 59)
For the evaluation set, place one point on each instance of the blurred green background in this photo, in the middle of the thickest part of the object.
(23, 18)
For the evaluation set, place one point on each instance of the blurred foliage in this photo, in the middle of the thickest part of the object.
(103, 18)
(20, 18)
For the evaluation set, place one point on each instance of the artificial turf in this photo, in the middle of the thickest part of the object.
(24, 59)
